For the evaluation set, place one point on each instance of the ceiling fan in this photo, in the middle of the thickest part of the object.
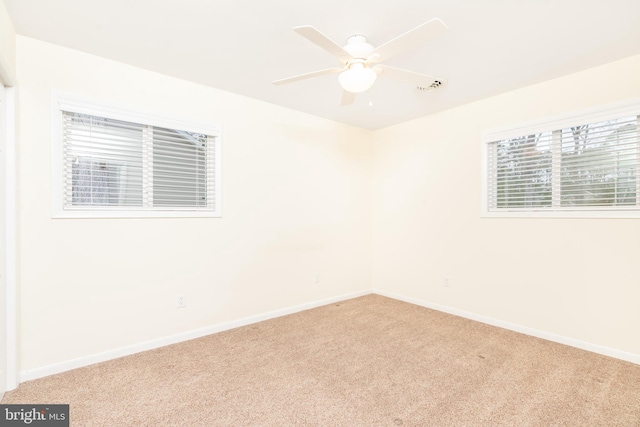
(360, 61)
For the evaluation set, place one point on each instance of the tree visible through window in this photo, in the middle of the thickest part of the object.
(523, 175)
(594, 165)
(600, 164)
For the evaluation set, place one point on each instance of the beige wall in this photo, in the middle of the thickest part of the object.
(575, 278)
(296, 202)
(7, 48)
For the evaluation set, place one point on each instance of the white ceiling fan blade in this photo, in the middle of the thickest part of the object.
(316, 37)
(416, 79)
(306, 76)
(347, 98)
(419, 36)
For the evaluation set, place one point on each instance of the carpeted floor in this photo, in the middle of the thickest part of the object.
(369, 361)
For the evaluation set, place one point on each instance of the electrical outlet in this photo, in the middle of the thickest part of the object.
(316, 278)
(182, 301)
(447, 282)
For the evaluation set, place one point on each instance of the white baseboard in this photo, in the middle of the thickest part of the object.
(80, 362)
(594, 348)
(197, 333)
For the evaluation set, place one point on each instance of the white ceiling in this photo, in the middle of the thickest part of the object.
(240, 46)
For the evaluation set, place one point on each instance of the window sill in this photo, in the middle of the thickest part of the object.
(121, 214)
(592, 214)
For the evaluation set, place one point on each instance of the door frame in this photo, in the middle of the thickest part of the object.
(10, 308)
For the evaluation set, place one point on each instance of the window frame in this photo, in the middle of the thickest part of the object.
(552, 124)
(78, 104)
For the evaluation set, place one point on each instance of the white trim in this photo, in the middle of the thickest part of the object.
(57, 160)
(156, 213)
(80, 362)
(85, 105)
(613, 111)
(177, 338)
(62, 101)
(11, 241)
(630, 107)
(584, 345)
(548, 213)
(484, 180)
(217, 164)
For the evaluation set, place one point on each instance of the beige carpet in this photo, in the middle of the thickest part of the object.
(369, 361)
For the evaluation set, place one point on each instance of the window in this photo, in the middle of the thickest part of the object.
(112, 163)
(582, 165)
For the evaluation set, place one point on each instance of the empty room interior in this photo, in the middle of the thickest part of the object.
(349, 213)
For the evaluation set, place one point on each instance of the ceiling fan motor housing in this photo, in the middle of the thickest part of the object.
(358, 47)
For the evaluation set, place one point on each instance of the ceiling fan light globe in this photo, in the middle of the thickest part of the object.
(358, 78)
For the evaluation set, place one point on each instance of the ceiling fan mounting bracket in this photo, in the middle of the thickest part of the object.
(356, 38)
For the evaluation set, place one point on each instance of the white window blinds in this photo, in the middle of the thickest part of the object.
(116, 164)
(103, 161)
(592, 166)
(180, 168)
